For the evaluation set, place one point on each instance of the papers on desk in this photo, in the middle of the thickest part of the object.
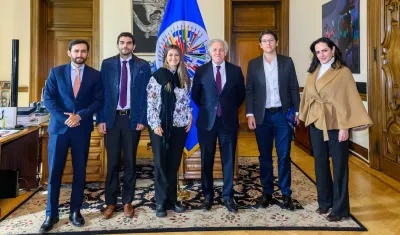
(4, 133)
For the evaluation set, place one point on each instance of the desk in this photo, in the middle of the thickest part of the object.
(20, 151)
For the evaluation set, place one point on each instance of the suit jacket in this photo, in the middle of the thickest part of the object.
(111, 76)
(59, 97)
(256, 92)
(332, 102)
(206, 96)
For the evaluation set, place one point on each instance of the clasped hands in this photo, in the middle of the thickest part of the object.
(73, 120)
(159, 131)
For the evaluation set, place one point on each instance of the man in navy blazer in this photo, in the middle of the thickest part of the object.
(121, 120)
(218, 90)
(73, 93)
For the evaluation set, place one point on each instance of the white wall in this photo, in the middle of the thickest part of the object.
(15, 24)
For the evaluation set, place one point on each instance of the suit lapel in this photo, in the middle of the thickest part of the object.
(211, 75)
(67, 75)
(227, 76)
(325, 79)
(134, 69)
(280, 72)
(261, 72)
(85, 81)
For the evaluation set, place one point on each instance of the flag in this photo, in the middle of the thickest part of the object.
(182, 25)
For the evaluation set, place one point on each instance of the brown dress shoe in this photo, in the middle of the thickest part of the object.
(128, 210)
(108, 211)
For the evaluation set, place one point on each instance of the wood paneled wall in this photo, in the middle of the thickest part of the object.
(54, 23)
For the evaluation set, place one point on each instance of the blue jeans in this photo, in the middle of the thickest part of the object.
(274, 126)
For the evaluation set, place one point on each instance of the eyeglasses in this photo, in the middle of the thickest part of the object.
(269, 41)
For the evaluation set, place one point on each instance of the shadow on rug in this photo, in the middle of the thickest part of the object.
(30, 215)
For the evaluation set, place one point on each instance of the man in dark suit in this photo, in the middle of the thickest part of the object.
(271, 89)
(122, 118)
(73, 93)
(218, 90)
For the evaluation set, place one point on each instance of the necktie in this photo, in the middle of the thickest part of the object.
(218, 79)
(124, 84)
(77, 82)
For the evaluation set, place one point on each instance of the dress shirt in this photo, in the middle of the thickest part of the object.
(128, 87)
(222, 71)
(272, 85)
(73, 73)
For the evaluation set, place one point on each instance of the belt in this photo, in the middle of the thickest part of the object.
(123, 112)
(274, 109)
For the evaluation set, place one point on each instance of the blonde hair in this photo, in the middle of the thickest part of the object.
(181, 69)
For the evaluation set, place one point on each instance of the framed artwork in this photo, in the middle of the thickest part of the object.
(146, 16)
(5, 92)
(341, 23)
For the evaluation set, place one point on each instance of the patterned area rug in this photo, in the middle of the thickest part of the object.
(30, 215)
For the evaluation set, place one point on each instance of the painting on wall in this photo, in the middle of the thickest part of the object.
(341, 23)
(147, 17)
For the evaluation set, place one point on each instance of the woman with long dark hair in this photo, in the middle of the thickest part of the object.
(169, 116)
(332, 106)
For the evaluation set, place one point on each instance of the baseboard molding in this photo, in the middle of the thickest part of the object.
(359, 151)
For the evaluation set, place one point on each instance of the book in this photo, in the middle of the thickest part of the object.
(26, 111)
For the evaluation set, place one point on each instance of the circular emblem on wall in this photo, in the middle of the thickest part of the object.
(191, 38)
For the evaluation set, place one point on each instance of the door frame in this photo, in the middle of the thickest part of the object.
(39, 40)
(283, 18)
(374, 85)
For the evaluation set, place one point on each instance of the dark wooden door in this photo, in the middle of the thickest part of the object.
(245, 20)
(384, 84)
(54, 24)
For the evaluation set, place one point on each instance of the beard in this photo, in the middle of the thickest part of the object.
(79, 60)
(125, 51)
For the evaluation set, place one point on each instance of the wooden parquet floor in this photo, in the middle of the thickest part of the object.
(374, 201)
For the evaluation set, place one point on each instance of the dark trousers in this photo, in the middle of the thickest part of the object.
(79, 140)
(334, 193)
(166, 164)
(121, 136)
(275, 126)
(227, 140)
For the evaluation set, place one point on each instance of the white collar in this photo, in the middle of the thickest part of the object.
(329, 64)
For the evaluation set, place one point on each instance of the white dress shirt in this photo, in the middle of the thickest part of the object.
(325, 67)
(272, 85)
(128, 87)
(222, 71)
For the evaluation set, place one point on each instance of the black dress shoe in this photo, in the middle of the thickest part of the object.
(206, 205)
(76, 219)
(322, 211)
(48, 224)
(161, 211)
(264, 201)
(230, 205)
(177, 207)
(334, 218)
(288, 202)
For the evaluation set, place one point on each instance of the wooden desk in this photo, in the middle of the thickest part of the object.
(20, 151)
